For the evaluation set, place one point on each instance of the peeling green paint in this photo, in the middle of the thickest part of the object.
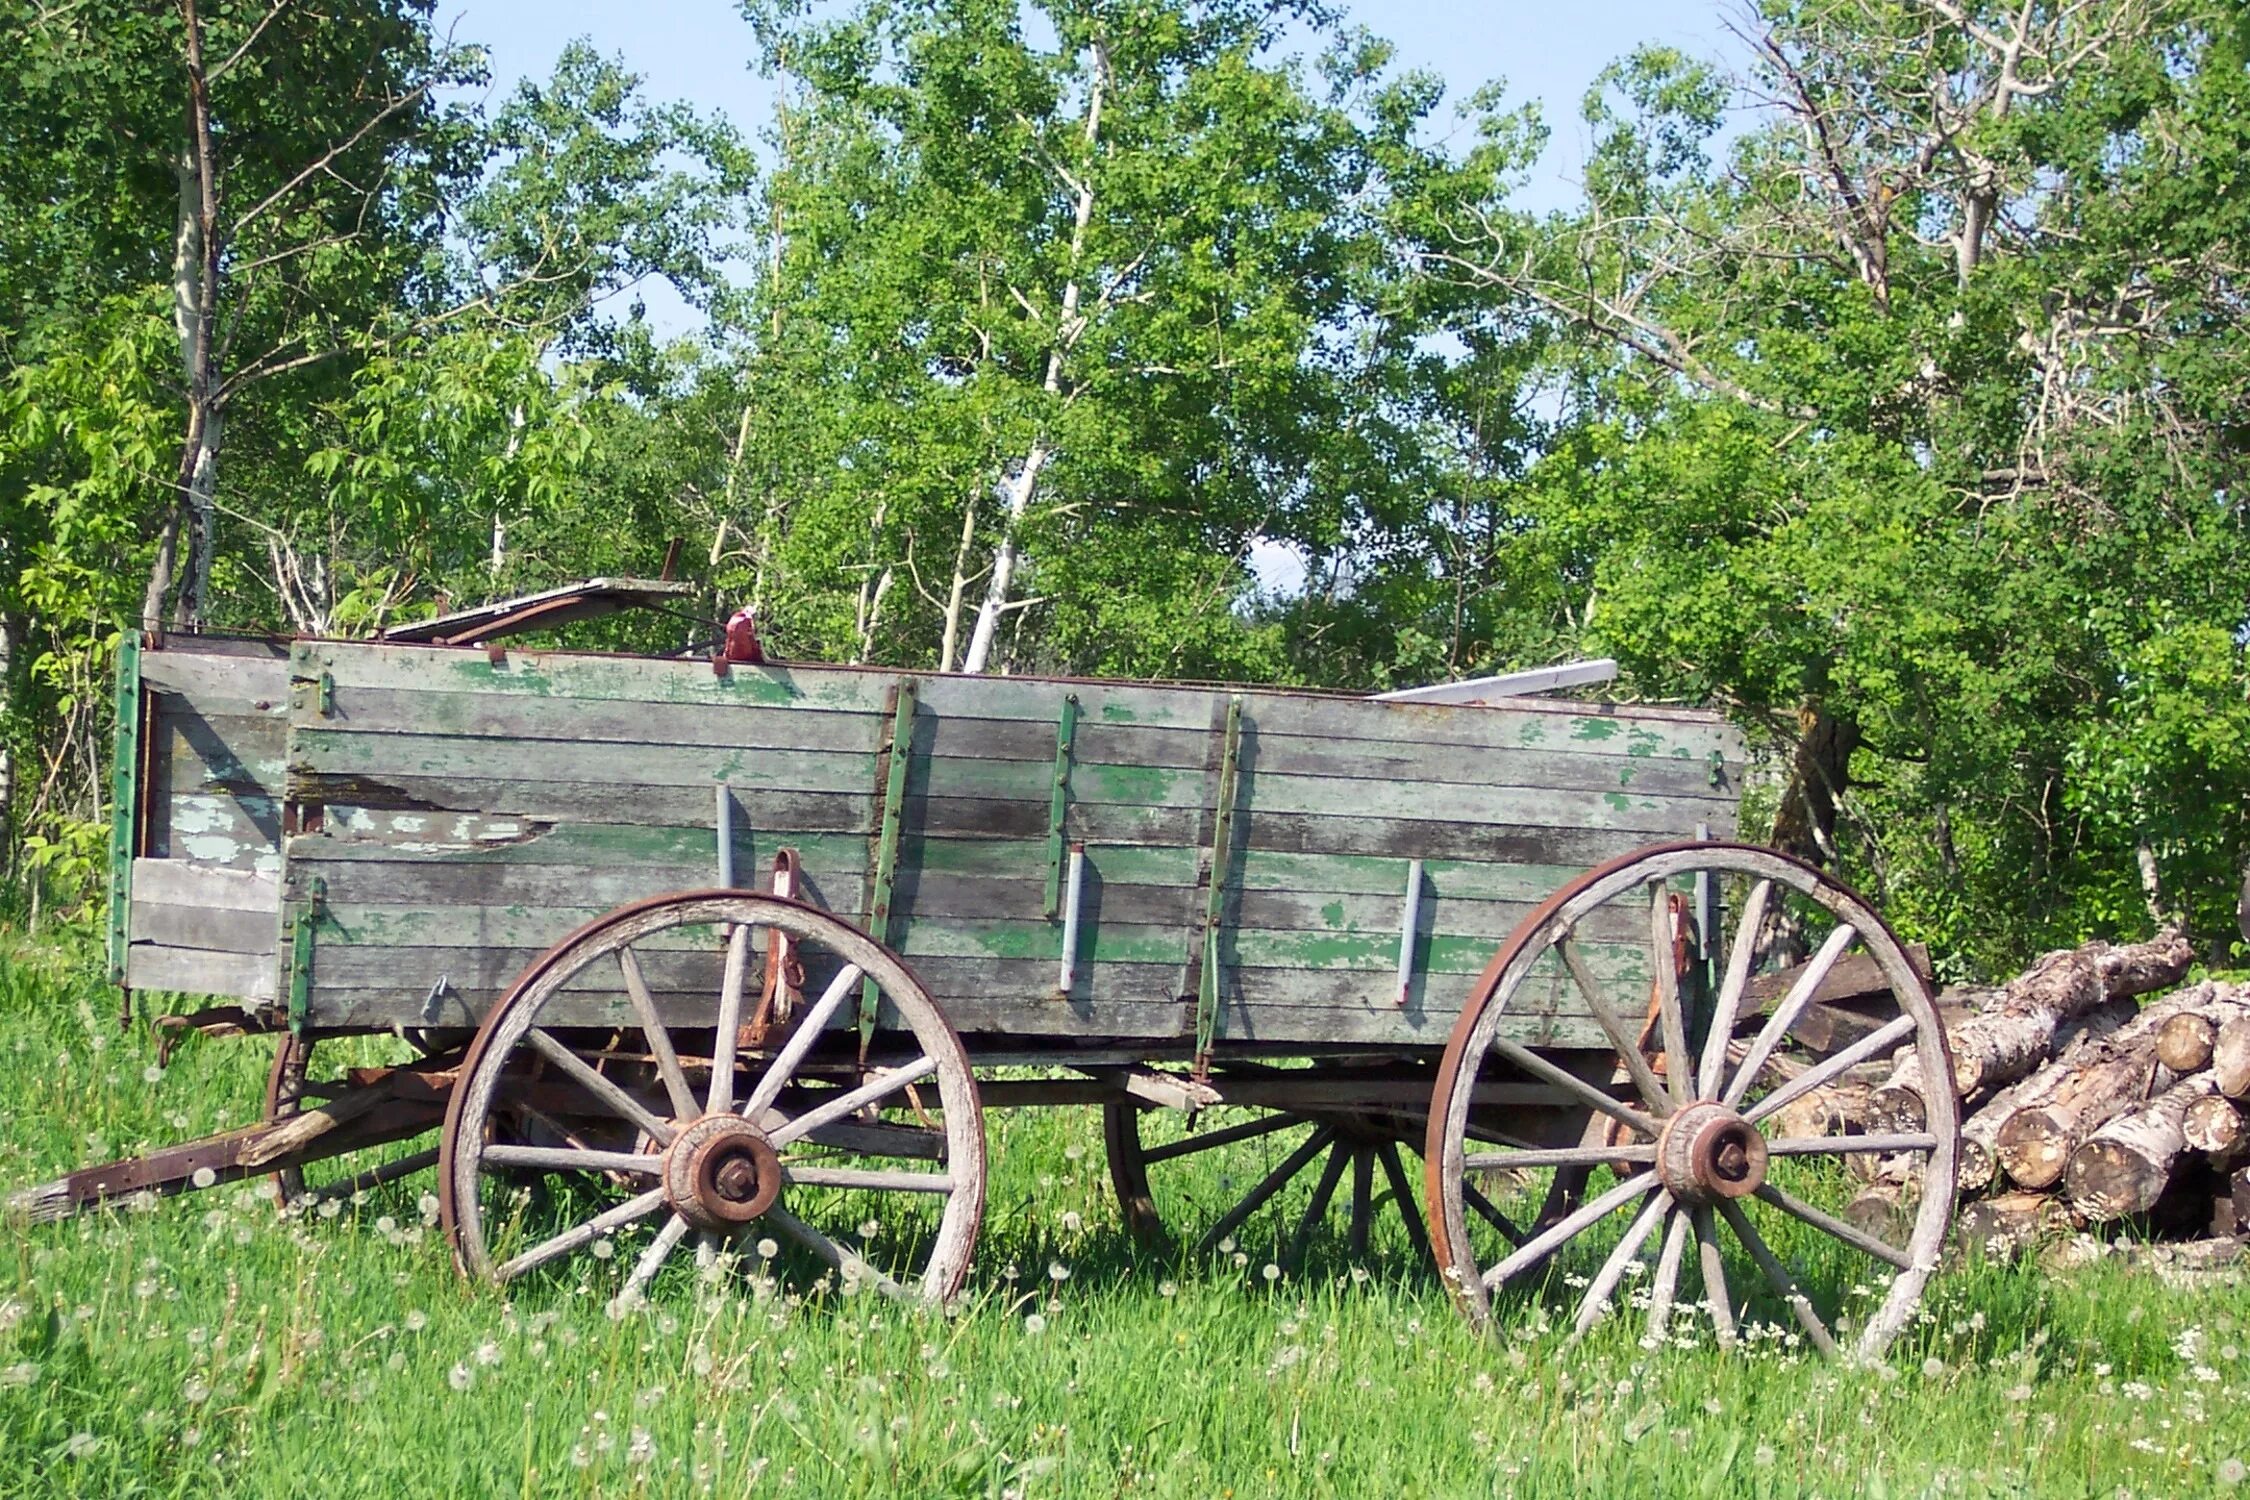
(1593, 729)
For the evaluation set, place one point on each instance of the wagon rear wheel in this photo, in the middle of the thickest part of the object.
(1692, 1170)
(1278, 1183)
(639, 1088)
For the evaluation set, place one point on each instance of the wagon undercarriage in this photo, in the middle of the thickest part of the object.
(1304, 989)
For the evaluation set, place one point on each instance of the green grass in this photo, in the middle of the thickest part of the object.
(208, 1346)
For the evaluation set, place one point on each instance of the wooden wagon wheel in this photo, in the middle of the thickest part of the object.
(1234, 1170)
(621, 1068)
(1691, 1151)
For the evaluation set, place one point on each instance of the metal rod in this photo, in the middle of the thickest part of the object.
(1407, 924)
(726, 837)
(1067, 980)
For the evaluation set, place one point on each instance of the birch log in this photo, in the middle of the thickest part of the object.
(1980, 1132)
(2030, 1021)
(2230, 1057)
(2104, 1080)
(2213, 1125)
(2184, 1042)
(2124, 1166)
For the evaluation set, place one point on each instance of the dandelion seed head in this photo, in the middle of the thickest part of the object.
(203, 1177)
(152, 1074)
(767, 1249)
(460, 1377)
(2232, 1471)
(1034, 1324)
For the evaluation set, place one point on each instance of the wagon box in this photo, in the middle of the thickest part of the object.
(725, 943)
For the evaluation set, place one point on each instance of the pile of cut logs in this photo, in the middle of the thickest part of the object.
(2082, 1103)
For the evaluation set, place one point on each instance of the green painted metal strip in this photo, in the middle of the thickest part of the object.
(298, 920)
(1215, 900)
(124, 799)
(1066, 735)
(893, 792)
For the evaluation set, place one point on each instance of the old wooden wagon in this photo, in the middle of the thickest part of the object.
(738, 955)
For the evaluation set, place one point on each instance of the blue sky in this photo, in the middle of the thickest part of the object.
(699, 50)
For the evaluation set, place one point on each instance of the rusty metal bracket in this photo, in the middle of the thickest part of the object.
(1066, 735)
(892, 797)
(1215, 896)
(124, 802)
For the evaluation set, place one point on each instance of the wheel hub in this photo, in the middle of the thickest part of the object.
(1707, 1152)
(721, 1173)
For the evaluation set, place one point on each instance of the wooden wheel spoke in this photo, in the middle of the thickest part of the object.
(1559, 1156)
(839, 1259)
(801, 1041)
(1785, 1014)
(726, 1036)
(652, 1259)
(1777, 1275)
(882, 1086)
(1363, 1204)
(1711, 1259)
(1849, 1145)
(1851, 1234)
(1652, 1090)
(583, 1234)
(574, 1159)
(1224, 1136)
(1604, 1286)
(1679, 1070)
(1387, 1153)
(1732, 988)
(1667, 1283)
(1491, 1214)
(1324, 1192)
(868, 1179)
(1570, 1083)
(659, 1040)
(576, 1068)
(1569, 1227)
(1270, 1184)
(1874, 1044)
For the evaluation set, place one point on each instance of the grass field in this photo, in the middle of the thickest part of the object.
(207, 1345)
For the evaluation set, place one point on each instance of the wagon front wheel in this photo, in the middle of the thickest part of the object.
(642, 1086)
(1694, 1170)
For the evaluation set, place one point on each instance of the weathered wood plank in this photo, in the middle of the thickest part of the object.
(1639, 730)
(181, 882)
(219, 929)
(192, 752)
(519, 718)
(430, 768)
(533, 926)
(238, 675)
(199, 971)
(237, 832)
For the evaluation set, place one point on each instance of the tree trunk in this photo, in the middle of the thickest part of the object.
(1023, 485)
(195, 301)
(2124, 1166)
(1805, 823)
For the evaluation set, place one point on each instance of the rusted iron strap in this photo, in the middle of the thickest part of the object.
(1215, 896)
(892, 793)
